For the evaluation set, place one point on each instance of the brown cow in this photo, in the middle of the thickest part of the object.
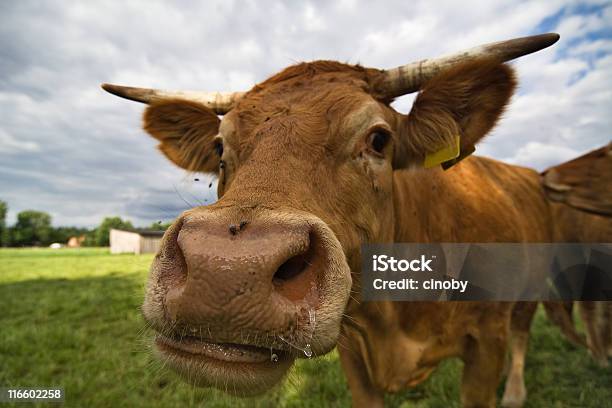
(584, 186)
(582, 212)
(312, 163)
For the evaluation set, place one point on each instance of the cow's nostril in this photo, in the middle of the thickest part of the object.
(291, 268)
(296, 278)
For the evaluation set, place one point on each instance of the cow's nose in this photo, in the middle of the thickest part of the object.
(254, 274)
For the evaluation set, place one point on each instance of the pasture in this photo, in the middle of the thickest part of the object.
(70, 318)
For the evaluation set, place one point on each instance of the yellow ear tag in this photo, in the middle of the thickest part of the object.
(445, 154)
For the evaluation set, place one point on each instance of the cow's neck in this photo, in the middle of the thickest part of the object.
(423, 198)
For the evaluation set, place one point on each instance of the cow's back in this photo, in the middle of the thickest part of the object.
(477, 200)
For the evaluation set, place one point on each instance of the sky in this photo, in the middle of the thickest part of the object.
(69, 148)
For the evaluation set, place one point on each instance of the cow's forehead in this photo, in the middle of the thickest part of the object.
(335, 123)
(312, 87)
(322, 102)
(330, 108)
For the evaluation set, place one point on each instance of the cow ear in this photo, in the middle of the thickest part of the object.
(453, 111)
(186, 131)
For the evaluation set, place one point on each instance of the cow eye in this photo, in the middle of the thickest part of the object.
(219, 148)
(377, 140)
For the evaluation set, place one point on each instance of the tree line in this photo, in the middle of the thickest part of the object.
(34, 228)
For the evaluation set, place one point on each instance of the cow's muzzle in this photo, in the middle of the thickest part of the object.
(235, 300)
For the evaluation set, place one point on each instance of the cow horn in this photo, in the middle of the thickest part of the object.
(409, 78)
(220, 102)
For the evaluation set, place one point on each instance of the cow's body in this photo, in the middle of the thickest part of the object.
(479, 200)
(391, 345)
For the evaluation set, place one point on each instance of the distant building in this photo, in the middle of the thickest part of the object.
(136, 241)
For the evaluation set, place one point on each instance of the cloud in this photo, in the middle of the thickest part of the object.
(9, 144)
(542, 153)
(69, 148)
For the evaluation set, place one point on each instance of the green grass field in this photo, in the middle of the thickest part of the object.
(70, 318)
